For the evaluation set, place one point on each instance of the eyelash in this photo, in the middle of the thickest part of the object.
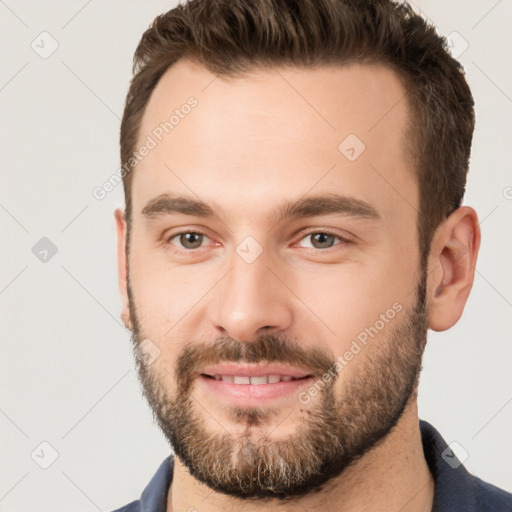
(343, 240)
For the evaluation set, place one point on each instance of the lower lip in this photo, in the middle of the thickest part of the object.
(247, 394)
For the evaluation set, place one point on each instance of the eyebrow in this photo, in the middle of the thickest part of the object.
(329, 204)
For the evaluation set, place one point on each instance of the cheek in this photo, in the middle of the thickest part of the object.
(167, 296)
(357, 297)
(161, 311)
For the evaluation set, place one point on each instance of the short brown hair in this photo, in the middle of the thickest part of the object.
(232, 37)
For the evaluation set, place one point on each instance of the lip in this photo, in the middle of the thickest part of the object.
(252, 370)
(253, 394)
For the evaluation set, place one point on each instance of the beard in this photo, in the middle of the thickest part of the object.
(332, 432)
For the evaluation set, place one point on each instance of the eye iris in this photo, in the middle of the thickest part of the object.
(321, 238)
(191, 240)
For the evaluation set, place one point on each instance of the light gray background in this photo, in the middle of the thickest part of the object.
(66, 370)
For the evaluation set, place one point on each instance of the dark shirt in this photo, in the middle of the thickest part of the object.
(456, 490)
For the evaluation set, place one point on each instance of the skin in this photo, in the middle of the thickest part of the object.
(249, 145)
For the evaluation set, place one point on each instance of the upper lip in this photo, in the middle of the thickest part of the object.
(252, 370)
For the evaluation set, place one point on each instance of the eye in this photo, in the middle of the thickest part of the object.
(188, 239)
(324, 239)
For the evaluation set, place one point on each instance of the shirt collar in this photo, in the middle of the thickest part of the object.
(154, 496)
(453, 483)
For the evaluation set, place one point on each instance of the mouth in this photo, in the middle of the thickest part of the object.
(253, 384)
(255, 380)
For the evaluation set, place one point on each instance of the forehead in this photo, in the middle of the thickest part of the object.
(249, 141)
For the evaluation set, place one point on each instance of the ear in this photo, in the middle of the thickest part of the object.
(122, 270)
(452, 261)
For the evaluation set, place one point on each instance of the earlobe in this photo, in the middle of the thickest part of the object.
(121, 230)
(452, 261)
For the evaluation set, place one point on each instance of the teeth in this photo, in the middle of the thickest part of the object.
(262, 379)
(243, 379)
(259, 380)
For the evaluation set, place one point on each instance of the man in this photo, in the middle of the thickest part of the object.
(293, 175)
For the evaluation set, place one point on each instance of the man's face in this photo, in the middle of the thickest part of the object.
(331, 293)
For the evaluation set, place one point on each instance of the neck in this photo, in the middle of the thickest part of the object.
(392, 476)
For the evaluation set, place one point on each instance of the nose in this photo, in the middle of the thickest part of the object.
(250, 301)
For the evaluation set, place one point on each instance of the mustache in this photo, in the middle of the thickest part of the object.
(266, 348)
